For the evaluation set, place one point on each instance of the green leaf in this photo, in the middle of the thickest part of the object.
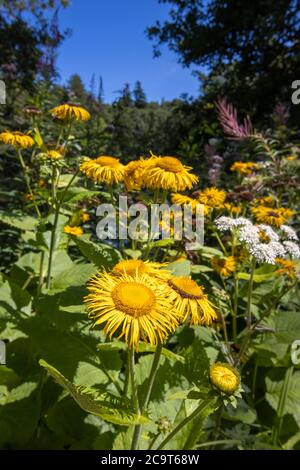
(19, 415)
(20, 221)
(102, 255)
(105, 405)
(76, 194)
(274, 386)
(144, 347)
(77, 275)
(180, 268)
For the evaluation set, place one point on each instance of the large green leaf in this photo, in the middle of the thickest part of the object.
(107, 406)
(102, 255)
(20, 221)
(274, 385)
(76, 275)
(76, 194)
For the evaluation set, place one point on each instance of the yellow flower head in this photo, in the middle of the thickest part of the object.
(54, 154)
(104, 169)
(76, 231)
(133, 175)
(168, 173)
(272, 216)
(288, 268)
(224, 266)
(16, 139)
(225, 377)
(234, 210)
(69, 112)
(212, 197)
(291, 158)
(132, 307)
(244, 168)
(190, 301)
(133, 267)
(181, 199)
(85, 217)
(268, 201)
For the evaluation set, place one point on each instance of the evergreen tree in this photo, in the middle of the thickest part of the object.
(101, 91)
(76, 87)
(139, 95)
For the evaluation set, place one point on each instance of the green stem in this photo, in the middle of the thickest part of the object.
(147, 395)
(52, 246)
(27, 181)
(281, 405)
(135, 400)
(235, 306)
(183, 423)
(41, 276)
(250, 289)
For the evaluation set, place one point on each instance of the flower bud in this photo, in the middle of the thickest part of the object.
(225, 377)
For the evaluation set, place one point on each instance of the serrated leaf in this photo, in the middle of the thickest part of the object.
(19, 221)
(100, 254)
(105, 405)
(76, 194)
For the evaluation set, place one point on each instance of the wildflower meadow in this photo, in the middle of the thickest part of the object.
(115, 336)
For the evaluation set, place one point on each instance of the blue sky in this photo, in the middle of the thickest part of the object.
(108, 38)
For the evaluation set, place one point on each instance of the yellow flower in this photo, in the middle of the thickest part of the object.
(232, 209)
(225, 377)
(16, 139)
(133, 267)
(291, 158)
(224, 266)
(272, 216)
(104, 169)
(244, 168)
(288, 268)
(212, 197)
(168, 173)
(268, 201)
(132, 307)
(85, 217)
(190, 301)
(181, 199)
(54, 155)
(67, 112)
(76, 231)
(133, 175)
(28, 197)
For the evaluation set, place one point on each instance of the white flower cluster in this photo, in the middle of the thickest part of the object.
(289, 232)
(263, 251)
(228, 223)
(262, 241)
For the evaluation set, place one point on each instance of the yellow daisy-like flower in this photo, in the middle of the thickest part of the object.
(132, 307)
(76, 231)
(133, 175)
(268, 201)
(244, 168)
(191, 302)
(225, 377)
(272, 216)
(16, 139)
(104, 169)
(181, 199)
(133, 267)
(212, 197)
(54, 154)
(291, 158)
(224, 266)
(235, 210)
(168, 173)
(288, 268)
(68, 112)
(85, 217)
